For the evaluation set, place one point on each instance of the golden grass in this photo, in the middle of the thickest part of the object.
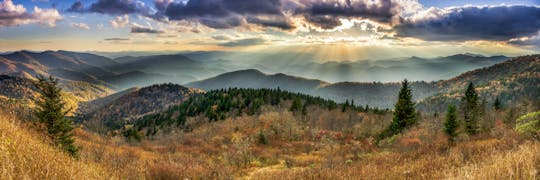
(25, 155)
(229, 150)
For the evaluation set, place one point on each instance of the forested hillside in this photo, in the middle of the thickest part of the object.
(115, 111)
(514, 82)
(230, 103)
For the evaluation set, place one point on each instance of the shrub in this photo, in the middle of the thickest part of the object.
(529, 124)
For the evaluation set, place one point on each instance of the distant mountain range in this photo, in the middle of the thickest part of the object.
(129, 71)
(376, 94)
(252, 78)
(361, 81)
(391, 70)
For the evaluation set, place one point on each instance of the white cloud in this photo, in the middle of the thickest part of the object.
(80, 26)
(15, 14)
(120, 21)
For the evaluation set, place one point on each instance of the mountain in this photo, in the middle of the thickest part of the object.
(251, 78)
(377, 94)
(513, 81)
(384, 70)
(128, 71)
(62, 64)
(239, 103)
(116, 110)
(374, 94)
(18, 91)
(135, 78)
(15, 88)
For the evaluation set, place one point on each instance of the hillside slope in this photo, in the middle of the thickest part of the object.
(24, 154)
(251, 78)
(114, 111)
(513, 81)
(519, 71)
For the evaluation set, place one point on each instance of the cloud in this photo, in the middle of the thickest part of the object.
(76, 7)
(223, 14)
(499, 23)
(221, 37)
(14, 15)
(80, 26)
(120, 21)
(272, 21)
(141, 29)
(526, 41)
(244, 42)
(116, 39)
(112, 7)
(100, 26)
(222, 23)
(326, 13)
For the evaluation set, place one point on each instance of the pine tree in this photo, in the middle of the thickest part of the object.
(296, 105)
(50, 111)
(304, 109)
(404, 112)
(470, 109)
(451, 123)
(345, 106)
(497, 105)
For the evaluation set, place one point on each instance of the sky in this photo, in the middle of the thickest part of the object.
(331, 29)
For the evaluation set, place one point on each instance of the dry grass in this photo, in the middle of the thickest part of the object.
(295, 149)
(24, 154)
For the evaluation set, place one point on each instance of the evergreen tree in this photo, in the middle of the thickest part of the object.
(345, 106)
(451, 123)
(50, 111)
(304, 109)
(296, 105)
(404, 112)
(497, 105)
(470, 109)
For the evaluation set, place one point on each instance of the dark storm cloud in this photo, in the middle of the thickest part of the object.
(322, 13)
(254, 7)
(196, 9)
(325, 13)
(221, 8)
(325, 22)
(244, 42)
(76, 7)
(112, 7)
(222, 14)
(140, 29)
(221, 23)
(277, 22)
(474, 23)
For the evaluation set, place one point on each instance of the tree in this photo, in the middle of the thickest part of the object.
(50, 111)
(497, 105)
(451, 123)
(296, 105)
(404, 112)
(470, 109)
(345, 106)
